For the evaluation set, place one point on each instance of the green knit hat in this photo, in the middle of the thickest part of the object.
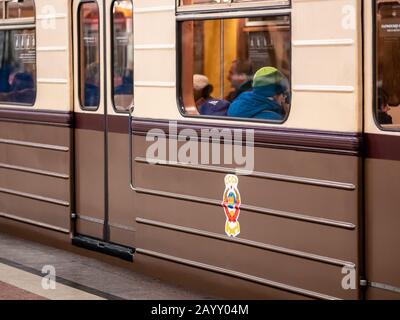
(267, 76)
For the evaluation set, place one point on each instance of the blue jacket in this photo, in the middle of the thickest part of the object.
(257, 104)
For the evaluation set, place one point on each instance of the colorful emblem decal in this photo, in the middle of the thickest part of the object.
(231, 204)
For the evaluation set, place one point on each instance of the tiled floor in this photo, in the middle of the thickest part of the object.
(21, 263)
(9, 292)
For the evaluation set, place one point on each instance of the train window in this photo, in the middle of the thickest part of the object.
(387, 104)
(233, 2)
(122, 20)
(17, 52)
(89, 56)
(20, 9)
(236, 68)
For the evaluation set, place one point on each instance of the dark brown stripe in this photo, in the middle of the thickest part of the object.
(118, 124)
(96, 122)
(89, 121)
(294, 139)
(382, 146)
(46, 117)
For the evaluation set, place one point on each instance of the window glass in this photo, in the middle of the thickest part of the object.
(387, 103)
(237, 68)
(89, 55)
(17, 54)
(123, 54)
(20, 9)
(17, 66)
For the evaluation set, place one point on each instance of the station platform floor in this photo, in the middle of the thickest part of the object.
(77, 277)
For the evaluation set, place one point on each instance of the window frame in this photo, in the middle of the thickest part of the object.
(245, 14)
(231, 6)
(375, 71)
(79, 29)
(11, 24)
(112, 60)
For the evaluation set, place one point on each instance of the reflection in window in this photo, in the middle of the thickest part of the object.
(236, 67)
(123, 54)
(388, 64)
(20, 9)
(89, 56)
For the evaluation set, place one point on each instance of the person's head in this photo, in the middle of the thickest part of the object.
(240, 72)
(383, 101)
(92, 74)
(127, 77)
(201, 87)
(271, 83)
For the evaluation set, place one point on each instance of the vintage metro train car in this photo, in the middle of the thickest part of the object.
(87, 85)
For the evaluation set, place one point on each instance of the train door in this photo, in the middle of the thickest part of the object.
(382, 163)
(93, 25)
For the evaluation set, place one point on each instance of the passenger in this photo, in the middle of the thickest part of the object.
(126, 87)
(240, 77)
(22, 88)
(205, 103)
(5, 72)
(92, 89)
(383, 108)
(267, 99)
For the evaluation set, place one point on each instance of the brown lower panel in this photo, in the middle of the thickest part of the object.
(40, 185)
(212, 284)
(382, 185)
(317, 277)
(121, 199)
(42, 212)
(246, 243)
(380, 294)
(276, 195)
(297, 235)
(35, 166)
(89, 228)
(89, 178)
(122, 236)
(31, 222)
(40, 159)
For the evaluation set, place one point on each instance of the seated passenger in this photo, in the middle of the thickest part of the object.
(267, 99)
(126, 87)
(5, 72)
(92, 89)
(205, 103)
(383, 108)
(240, 77)
(22, 88)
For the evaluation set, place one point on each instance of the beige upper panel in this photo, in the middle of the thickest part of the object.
(326, 64)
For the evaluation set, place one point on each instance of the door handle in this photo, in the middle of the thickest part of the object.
(130, 148)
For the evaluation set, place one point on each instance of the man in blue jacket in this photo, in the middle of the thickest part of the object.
(266, 100)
